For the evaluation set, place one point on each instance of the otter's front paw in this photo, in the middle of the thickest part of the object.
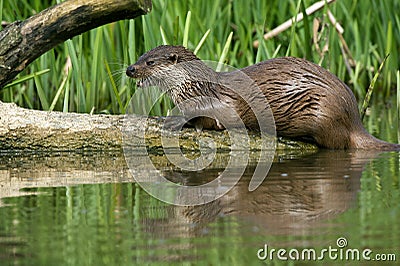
(174, 123)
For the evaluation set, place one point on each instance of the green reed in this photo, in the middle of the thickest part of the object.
(87, 73)
(398, 105)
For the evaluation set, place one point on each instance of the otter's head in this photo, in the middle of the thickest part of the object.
(158, 67)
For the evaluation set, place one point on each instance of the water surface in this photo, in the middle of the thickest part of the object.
(85, 209)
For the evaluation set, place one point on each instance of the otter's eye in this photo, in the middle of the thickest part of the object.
(150, 63)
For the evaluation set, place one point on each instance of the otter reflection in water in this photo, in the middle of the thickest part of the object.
(297, 195)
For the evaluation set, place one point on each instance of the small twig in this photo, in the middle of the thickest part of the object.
(299, 17)
(5, 24)
(346, 61)
(334, 22)
(344, 48)
(318, 29)
(316, 26)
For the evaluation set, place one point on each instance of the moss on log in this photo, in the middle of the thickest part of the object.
(24, 129)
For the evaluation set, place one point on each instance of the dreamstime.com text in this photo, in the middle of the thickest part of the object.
(338, 252)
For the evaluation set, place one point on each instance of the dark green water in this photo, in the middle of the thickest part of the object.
(86, 210)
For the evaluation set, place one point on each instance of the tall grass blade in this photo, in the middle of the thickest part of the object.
(76, 74)
(371, 89)
(275, 54)
(131, 42)
(1, 13)
(94, 70)
(148, 36)
(224, 53)
(163, 36)
(307, 32)
(114, 87)
(25, 78)
(41, 93)
(176, 30)
(186, 30)
(292, 41)
(59, 91)
(398, 105)
(388, 50)
(201, 42)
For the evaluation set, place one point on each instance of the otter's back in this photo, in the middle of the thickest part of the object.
(307, 100)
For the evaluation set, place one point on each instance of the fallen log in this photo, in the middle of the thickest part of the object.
(32, 130)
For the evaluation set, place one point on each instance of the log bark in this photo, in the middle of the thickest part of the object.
(31, 130)
(23, 42)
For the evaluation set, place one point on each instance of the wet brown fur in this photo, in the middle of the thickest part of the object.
(307, 101)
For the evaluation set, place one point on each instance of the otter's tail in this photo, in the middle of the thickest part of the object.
(364, 140)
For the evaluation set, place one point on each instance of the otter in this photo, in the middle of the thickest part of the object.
(307, 101)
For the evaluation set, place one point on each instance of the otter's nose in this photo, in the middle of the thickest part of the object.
(130, 71)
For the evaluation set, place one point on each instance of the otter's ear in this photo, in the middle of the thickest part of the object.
(172, 57)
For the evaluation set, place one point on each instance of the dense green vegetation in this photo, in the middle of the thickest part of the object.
(97, 83)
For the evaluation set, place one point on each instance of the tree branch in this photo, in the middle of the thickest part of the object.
(23, 42)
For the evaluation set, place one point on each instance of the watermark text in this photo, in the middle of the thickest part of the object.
(338, 252)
